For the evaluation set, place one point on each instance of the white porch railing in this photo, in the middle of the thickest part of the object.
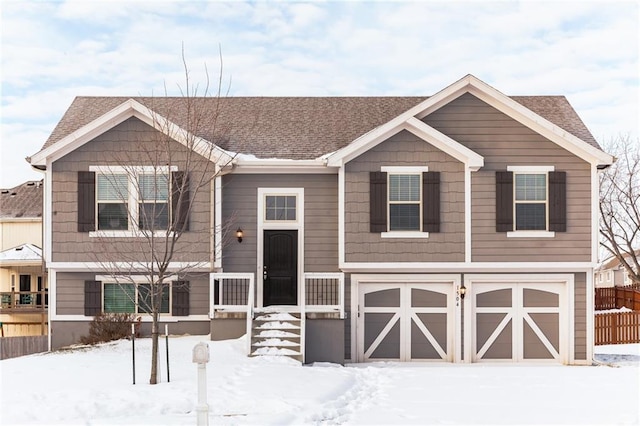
(324, 292)
(233, 292)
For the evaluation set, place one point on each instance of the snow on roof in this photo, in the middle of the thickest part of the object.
(21, 253)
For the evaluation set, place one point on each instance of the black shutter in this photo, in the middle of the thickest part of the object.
(180, 200)
(558, 201)
(431, 202)
(378, 201)
(504, 201)
(86, 201)
(180, 298)
(92, 298)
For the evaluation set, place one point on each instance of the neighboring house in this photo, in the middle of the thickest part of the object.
(23, 282)
(611, 273)
(461, 227)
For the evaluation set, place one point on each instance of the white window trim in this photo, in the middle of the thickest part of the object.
(404, 234)
(275, 221)
(404, 170)
(531, 233)
(135, 280)
(133, 204)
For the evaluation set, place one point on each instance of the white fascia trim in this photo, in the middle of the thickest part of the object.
(47, 233)
(448, 267)
(380, 133)
(129, 108)
(284, 167)
(419, 129)
(341, 213)
(595, 213)
(513, 109)
(467, 214)
(217, 221)
(444, 143)
(537, 123)
(144, 318)
(124, 266)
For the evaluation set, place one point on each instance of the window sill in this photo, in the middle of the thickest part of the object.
(531, 234)
(126, 234)
(404, 234)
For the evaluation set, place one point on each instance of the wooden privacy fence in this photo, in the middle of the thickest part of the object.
(617, 297)
(11, 347)
(617, 328)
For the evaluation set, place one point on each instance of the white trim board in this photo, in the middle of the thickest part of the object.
(449, 267)
(127, 109)
(469, 84)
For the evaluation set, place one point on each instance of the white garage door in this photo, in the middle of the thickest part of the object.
(523, 321)
(405, 321)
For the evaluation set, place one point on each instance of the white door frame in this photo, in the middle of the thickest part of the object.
(293, 225)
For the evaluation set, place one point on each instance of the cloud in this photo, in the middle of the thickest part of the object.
(52, 52)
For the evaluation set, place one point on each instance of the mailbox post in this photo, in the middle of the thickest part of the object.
(201, 357)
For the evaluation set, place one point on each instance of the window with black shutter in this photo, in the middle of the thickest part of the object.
(404, 201)
(530, 200)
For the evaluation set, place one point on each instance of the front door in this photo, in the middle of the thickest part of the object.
(280, 269)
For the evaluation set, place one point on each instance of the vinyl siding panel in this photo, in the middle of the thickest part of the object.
(128, 143)
(404, 149)
(505, 142)
(239, 209)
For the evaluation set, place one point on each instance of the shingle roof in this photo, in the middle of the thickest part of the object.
(23, 201)
(613, 262)
(293, 127)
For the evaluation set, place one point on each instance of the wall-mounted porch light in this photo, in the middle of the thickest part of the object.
(239, 235)
(462, 291)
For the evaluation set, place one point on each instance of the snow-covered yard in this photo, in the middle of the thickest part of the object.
(94, 386)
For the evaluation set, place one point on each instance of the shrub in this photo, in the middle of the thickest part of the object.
(106, 327)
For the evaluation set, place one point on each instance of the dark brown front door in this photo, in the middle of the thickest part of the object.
(280, 269)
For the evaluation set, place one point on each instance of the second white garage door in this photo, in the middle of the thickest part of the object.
(406, 321)
(518, 321)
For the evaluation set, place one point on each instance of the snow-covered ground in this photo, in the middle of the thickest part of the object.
(93, 386)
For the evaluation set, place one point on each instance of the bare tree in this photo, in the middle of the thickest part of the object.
(620, 206)
(158, 187)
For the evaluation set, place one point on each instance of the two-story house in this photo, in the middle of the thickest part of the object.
(460, 227)
(23, 279)
(611, 273)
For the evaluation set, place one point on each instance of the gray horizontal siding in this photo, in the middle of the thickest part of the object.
(504, 142)
(239, 209)
(404, 149)
(129, 143)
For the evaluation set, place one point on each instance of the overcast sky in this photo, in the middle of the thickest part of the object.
(54, 51)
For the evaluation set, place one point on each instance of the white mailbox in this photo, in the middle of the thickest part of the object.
(201, 353)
